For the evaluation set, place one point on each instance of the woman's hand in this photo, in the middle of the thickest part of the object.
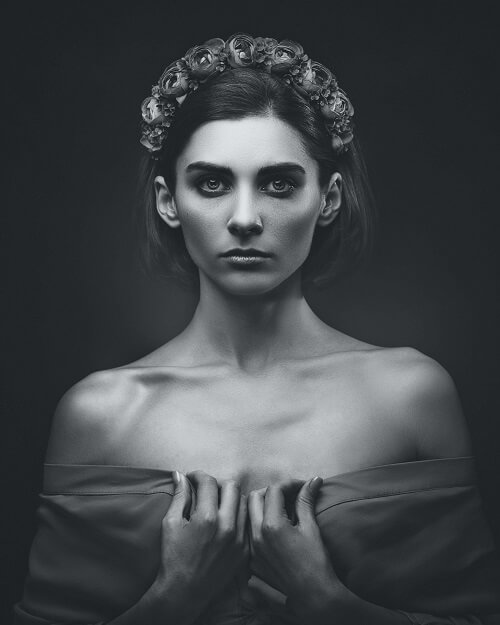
(204, 544)
(292, 557)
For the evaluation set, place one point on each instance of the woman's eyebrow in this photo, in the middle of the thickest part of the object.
(267, 169)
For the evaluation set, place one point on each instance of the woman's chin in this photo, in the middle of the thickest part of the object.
(249, 284)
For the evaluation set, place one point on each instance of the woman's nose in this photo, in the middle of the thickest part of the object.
(244, 219)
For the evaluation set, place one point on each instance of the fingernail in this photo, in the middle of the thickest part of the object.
(316, 481)
(176, 477)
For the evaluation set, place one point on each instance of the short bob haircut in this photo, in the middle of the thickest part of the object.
(235, 94)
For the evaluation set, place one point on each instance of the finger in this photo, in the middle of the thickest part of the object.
(265, 572)
(193, 497)
(207, 496)
(181, 500)
(241, 523)
(256, 514)
(306, 499)
(274, 506)
(280, 505)
(229, 503)
(262, 594)
(290, 486)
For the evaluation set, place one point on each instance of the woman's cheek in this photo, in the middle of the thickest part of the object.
(200, 234)
(297, 232)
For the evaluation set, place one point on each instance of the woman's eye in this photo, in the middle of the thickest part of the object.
(281, 186)
(276, 186)
(211, 185)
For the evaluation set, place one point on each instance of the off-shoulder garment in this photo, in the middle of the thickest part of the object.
(409, 536)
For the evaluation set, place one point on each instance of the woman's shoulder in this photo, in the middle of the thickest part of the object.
(389, 363)
(405, 360)
(417, 392)
(87, 416)
(408, 374)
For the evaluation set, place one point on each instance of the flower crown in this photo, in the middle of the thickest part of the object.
(285, 59)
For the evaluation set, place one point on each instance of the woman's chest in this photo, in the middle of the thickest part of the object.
(259, 430)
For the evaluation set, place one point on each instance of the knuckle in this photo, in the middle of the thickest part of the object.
(168, 521)
(270, 527)
(207, 519)
(242, 542)
(227, 533)
(304, 499)
(258, 547)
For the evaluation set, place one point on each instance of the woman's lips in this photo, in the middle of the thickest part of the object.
(239, 259)
(250, 251)
(246, 257)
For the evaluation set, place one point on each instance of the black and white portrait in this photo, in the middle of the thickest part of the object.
(250, 312)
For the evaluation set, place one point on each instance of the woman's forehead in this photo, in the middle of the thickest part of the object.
(247, 143)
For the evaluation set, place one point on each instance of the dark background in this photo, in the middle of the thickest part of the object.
(423, 78)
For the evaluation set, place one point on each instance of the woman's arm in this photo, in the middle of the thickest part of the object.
(203, 537)
(420, 390)
(160, 605)
(293, 560)
(199, 556)
(420, 397)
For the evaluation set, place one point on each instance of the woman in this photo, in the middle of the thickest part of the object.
(259, 189)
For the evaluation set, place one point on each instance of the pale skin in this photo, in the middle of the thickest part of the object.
(257, 395)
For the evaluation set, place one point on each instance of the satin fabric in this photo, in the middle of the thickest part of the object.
(411, 537)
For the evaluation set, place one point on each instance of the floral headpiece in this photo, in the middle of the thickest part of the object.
(285, 59)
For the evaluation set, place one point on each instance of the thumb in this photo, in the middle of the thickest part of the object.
(307, 498)
(260, 593)
(181, 499)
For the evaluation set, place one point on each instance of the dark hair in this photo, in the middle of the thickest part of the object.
(236, 94)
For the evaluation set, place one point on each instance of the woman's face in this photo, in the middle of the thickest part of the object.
(247, 185)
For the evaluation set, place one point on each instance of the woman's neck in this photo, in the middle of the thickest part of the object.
(253, 332)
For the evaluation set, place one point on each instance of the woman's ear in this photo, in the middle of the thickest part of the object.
(165, 203)
(330, 201)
